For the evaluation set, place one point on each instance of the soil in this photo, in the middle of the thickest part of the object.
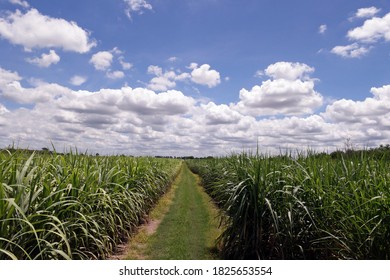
(122, 250)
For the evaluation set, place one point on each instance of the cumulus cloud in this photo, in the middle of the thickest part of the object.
(164, 80)
(351, 51)
(7, 77)
(147, 102)
(259, 74)
(41, 94)
(367, 12)
(322, 29)
(290, 91)
(3, 109)
(365, 36)
(22, 3)
(172, 59)
(220, 114)
(134, 117)
(12, 89)
(136, 6)
(77, 80)
(141, 121)
(139, 100)
(368, 121)
(161, 83)
(34, 30)
(372, 109)
(289, 71)
(202, 75)
(45, 60)
(280, 96)
(155, 70)
(114, 75)
(125, 65)
(382, 93)
(372, 30)
(101, 60)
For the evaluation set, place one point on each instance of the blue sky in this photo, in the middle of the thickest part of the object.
(153, 77)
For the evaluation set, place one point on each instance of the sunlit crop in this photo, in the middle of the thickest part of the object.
(303, 207)
(74, 206)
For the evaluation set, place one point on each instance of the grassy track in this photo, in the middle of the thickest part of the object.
(189, 228)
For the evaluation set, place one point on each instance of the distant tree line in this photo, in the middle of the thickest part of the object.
(381, 152)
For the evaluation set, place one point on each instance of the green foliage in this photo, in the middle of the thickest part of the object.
(308, 207)
(73, 206)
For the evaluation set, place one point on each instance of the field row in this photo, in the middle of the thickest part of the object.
(305, 207)
(75, 206)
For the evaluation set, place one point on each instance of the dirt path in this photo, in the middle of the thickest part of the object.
(184, 225)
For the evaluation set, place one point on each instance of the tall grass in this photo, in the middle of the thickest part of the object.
(304, 207)
(74, 206)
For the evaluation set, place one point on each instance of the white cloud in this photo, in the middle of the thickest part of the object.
(155, 70)
(202, 75)
(12, 89)
(143, 122)
(136, 118)
(288, 71)
(137, 6)
(34, 30)
(367, 12)
(114, 75)
(3, 110)
(280, 96)
(125, 65)
(7, 77)
(78, 80)
(164, 80)
(147, 102)
(365, 36)
(36, 82)
(291, 91)
(351, 51)
(101, 60)
(22, 3)
(15, 92)
(172, 59)
(322, 29)
(117, 51)
(220, 114)
(46, 59)
(105, 101)
(372, 30)
(382, 93)
(182, 76)
(368, 112)
(299, 133)
(193, 65)
(161, 83)
(368, 121)
(259, 74)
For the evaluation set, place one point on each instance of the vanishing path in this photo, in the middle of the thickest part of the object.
(188, 229)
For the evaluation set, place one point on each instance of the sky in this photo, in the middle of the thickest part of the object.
(194, 77)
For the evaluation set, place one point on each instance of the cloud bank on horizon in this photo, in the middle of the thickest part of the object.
(150, 80)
